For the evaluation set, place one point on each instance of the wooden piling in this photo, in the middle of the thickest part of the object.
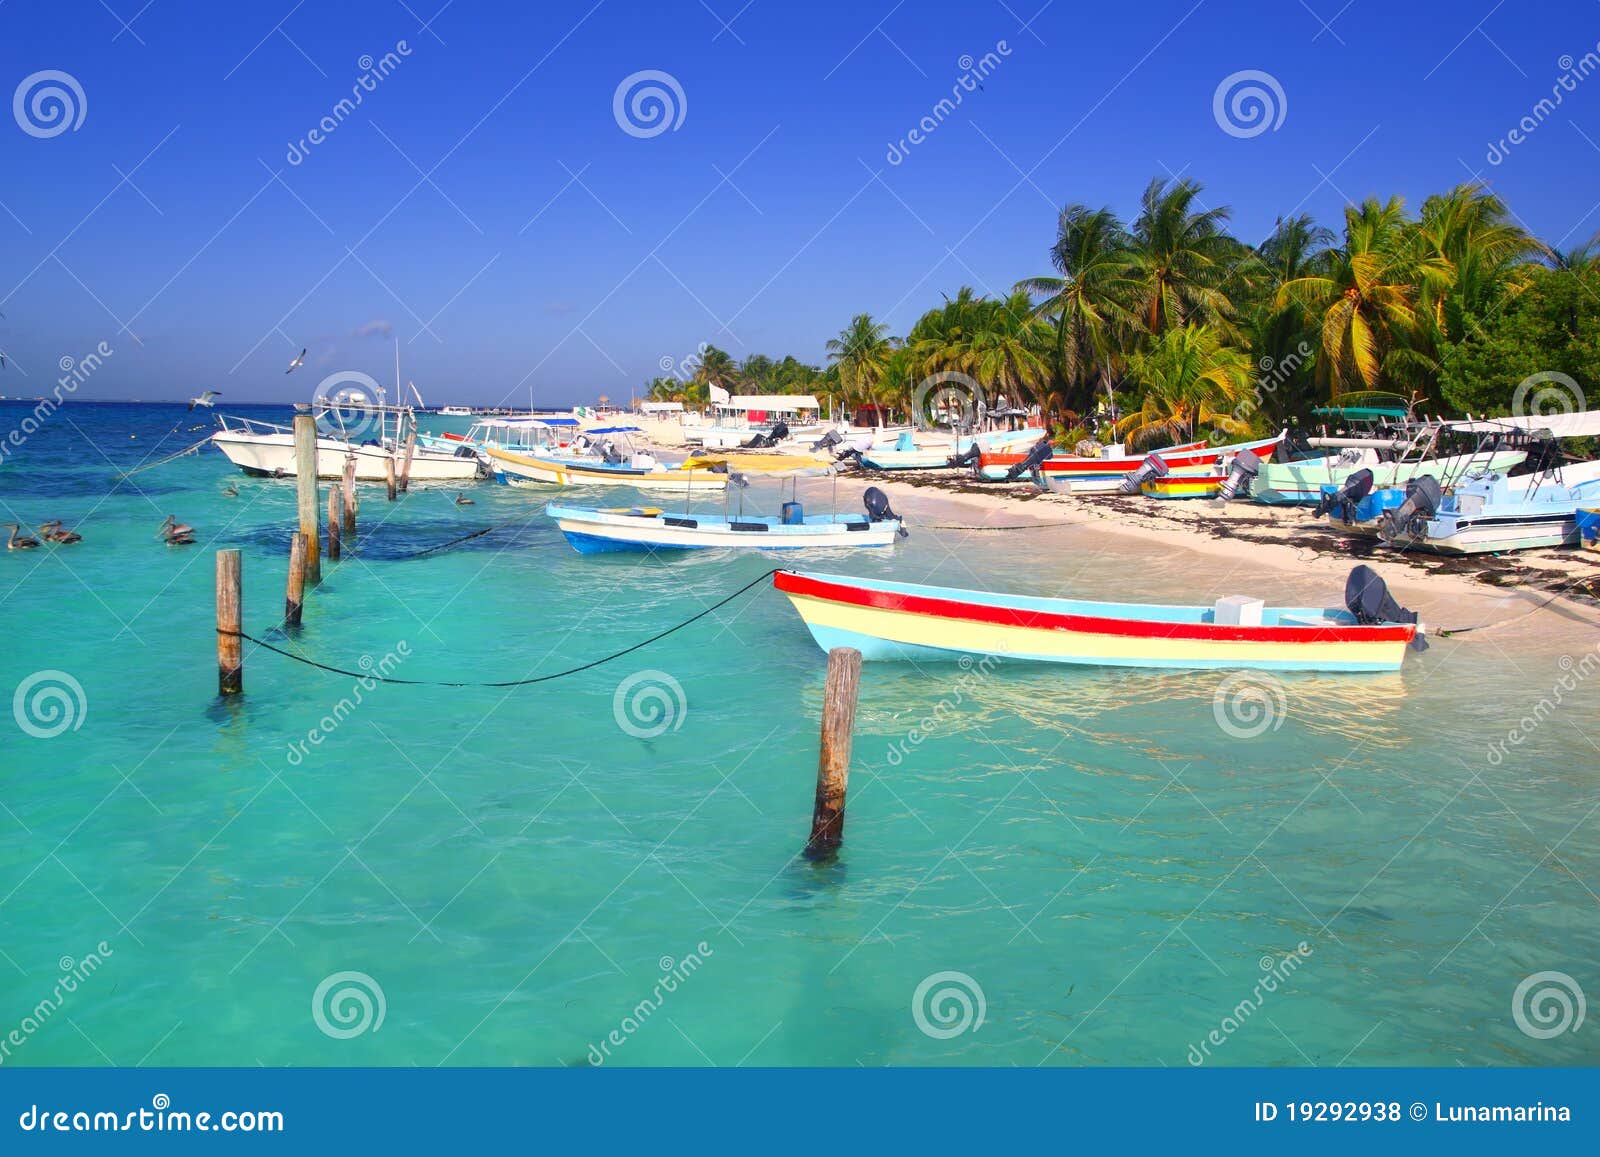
(833, 760)
(230, 620)
(388, 475)
(405, 468)
(305, 473)
(333, 524)
(294, 596)
(350, 494)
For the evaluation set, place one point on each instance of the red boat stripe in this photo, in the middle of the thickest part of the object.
(799, 584)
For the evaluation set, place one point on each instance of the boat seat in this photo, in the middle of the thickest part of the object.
(751, 526)
(858, 526)
(689, 523)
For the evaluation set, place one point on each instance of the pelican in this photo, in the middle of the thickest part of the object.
(53, 532)
(204, 399)
(296, 364)
(176, 533)
(463, 500)
(19, 543)
(230, 491)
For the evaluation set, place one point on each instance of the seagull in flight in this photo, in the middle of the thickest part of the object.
(296, 364)
(204, 399)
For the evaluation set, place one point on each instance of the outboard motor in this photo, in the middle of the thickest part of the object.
(856, 447)
(1367, 597)
(828, 441)
(1246, 465)
(877, 504)
(967, 457)
(1355, 488)
(1036, 457)
(1423, 498)
(1153, 466)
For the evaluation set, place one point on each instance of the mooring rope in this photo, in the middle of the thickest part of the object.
(163, 461)
(1019, 526)
(332, 670)
(1514, 618)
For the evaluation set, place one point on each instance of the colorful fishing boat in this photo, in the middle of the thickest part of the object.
(937, 452)
(592, 531)
(996, 465)
(912, 622)
(599, 457)
(1183, 486)
(1488, 512)
(1075, 475)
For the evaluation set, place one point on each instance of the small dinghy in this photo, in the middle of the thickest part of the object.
(909, 621)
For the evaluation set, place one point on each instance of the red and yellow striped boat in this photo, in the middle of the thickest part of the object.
(908, 621)
(1183, 486)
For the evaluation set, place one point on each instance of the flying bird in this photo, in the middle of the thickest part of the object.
(205, 399)
(296, 364)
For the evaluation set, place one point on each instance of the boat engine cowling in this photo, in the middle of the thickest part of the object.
(828, 441)
(967, 457)
(1355, 488)
(878, 509)
(1367, 597)
(1423, 497)
(1246, 465)
(1153, 466)
(1036, 457)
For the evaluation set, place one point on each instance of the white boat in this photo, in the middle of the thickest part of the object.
(603, 456)
(914, 451)
(593, 531)
(1300, 483)
(1487, 512)
(456, 411)
(773, 418)
(266, 449)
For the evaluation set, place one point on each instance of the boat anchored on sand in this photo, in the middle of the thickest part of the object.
(600, 457)
(912, 622)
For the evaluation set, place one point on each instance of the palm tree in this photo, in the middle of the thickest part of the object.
(861, 354)
(716, 368)
(1582, 260)
(1009, 348)
(1189, 378)
(1180, 256)
(1365, 296)
(1088, 300)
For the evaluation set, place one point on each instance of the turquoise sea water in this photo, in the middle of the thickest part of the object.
(517, 870)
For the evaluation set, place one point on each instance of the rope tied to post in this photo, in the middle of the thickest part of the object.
(593, 663)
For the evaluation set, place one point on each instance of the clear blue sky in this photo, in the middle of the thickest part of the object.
(547, 248)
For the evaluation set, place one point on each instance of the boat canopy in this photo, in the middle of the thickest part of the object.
(772, 403)
(615, 430)
(661, 407)
(1583, 424)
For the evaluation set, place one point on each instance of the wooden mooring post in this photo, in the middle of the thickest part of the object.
(833, 759)
(388, 475)
(333, 524)
(230, 618)
(350, 494)
(294, 595)
(305, 475)
(405, 468)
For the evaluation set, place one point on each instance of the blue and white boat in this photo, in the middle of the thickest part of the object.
(906, 454)
(600, 531)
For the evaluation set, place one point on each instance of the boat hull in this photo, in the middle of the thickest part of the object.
(606, 531)
(272, 456)
(1179, 486)
(1300, 483)
(901, 621)
(519, 468)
